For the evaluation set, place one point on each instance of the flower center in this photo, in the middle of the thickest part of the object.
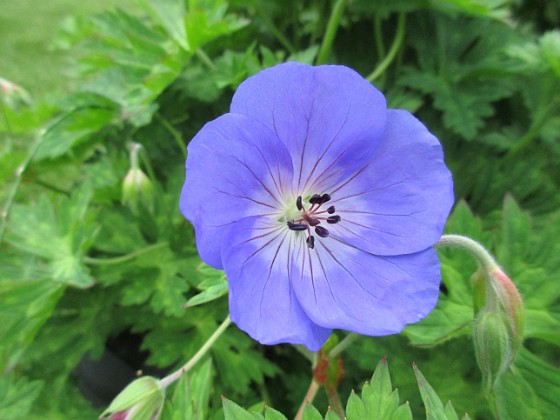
(313, 216)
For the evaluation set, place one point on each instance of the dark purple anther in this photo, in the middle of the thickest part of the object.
(321, 231)
(331, 210)
(313, 221)
(333, 219)
(324, 198)
(297, 226)
(310, 242)
(298, 203)
(315, 198)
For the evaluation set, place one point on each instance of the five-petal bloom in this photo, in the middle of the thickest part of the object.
(320, 204)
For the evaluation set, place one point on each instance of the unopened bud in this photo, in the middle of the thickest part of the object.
(498, 325)
(493, 345)
(142, 399)
(137, 188)
(13, 95)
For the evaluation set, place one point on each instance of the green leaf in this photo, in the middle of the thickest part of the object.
(531, 391)
(233, 412)
(170, 14)
(191, 396)
(355, 408)
(71, 129)
(432, 403)
(60, 236)
(213, 285)
(465, 77)
(379, 400)
(311, 413)
(17, 396)
(158, 277)
(272, 414)
(331, 415)
(28, 300)
(402, 412)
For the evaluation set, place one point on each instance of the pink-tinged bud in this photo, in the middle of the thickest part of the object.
(498, 325)
(13, 95)
(141, 399)
(511, 301)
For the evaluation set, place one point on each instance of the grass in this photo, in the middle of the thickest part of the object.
(28, 28)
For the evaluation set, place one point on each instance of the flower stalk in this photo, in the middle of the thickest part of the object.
(332, 28)
(168, 380)
(395, 47)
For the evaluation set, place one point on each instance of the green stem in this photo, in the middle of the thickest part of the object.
(332, 27)
(379, 45)
(533, 131)
(165, 382)
(205, 59)
(134, 150)
(343, 345)
(276, 32)
(174, 133)
(124, 258)
(12, 194)
(309, 397)
(485, 259)
(395, 47)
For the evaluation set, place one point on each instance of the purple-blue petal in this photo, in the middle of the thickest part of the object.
(398, 203)
(327, 116)
(261, 296)
(236, 167)
(340, 286)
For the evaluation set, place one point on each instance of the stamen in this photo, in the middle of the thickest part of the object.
(324, 198)
(313, 221)
(310, 242)
(312, 217)
(315, 198)
(321, 231)
(297, 226)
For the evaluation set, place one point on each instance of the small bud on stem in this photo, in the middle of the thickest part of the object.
(499, 313)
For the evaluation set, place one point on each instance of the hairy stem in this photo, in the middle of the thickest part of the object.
(485, 259)
(332, 27)
(165, 382)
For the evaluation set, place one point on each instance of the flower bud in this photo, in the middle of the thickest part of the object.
(498, 325)
(13, 95)
(142, 399)
(493, 345)
(137, 187)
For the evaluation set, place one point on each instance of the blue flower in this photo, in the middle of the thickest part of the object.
(320, 204)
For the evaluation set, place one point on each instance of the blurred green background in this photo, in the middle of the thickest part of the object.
(27, 31)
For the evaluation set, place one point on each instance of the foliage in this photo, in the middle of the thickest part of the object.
(84, 274)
